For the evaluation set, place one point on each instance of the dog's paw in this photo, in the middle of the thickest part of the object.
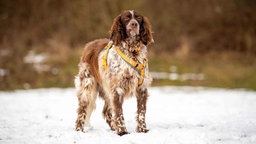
(122, 133)
(84, 128)
(142, 130)
(80, 129)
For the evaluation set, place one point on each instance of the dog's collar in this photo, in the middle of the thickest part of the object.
(137, 66)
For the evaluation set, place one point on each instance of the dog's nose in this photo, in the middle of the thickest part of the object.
(134, 24)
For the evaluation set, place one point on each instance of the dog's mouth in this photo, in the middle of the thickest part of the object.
(132, 32)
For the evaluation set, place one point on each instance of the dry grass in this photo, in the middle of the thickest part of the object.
(227, 70)
(214, 37)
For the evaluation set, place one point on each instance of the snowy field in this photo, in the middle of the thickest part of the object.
(175, 115)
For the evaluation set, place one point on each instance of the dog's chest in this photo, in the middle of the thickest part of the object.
(120, 75)
(120, 68)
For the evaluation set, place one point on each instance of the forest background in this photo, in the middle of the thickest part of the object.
(41, 41)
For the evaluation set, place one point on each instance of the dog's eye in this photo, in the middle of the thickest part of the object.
(139, 18)
(126, 18)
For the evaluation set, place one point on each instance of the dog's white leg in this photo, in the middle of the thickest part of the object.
(142, 95)
(118, 113)
(87, 92)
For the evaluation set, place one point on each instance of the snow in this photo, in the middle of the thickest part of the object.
(177, 115)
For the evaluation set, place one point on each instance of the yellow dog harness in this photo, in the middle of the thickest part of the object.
(137, 66)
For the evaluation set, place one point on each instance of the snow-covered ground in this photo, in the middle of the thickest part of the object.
(175, 115)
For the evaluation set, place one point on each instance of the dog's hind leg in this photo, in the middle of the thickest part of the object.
(87, 93)
(107, 112)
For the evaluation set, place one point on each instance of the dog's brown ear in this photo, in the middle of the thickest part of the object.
(146, 32)
(117, 31)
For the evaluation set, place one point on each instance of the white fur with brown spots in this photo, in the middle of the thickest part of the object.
(120, 80)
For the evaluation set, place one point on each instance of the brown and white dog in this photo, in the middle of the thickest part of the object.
(115, 72)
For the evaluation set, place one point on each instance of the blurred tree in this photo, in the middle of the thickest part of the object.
(59, 27)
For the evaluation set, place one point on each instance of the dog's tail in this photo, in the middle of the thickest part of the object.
(86, 92)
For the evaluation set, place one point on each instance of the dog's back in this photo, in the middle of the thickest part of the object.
(91, 55)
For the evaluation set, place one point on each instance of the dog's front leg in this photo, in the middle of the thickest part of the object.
(118, 114)
(142, 95)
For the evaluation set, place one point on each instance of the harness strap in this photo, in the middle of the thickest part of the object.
(135, 65)
(140, 68)
(142, 72)
(104, 60)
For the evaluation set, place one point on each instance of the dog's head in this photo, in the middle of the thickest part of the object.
(131, 25)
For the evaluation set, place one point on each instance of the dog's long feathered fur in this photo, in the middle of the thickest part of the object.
(120, 80)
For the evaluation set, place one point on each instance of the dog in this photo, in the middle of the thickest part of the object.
(115, 69)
